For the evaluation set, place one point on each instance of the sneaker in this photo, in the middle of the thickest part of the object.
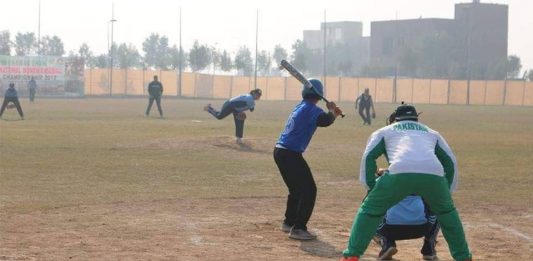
(386, 254)
(350, 258)
(207, 107)
(301, 234)
(377, 239)
(388, 249)
(286, 228)
(239, 140)
(428, 250)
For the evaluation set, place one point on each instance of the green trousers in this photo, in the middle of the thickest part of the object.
(391, 189)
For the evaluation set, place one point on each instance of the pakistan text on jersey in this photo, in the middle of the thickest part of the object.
(409, 126)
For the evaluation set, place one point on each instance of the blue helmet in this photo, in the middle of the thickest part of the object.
(309, 93)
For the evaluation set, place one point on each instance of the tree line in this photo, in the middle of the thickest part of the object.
(347, 59)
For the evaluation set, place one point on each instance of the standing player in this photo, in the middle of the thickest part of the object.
(11, 96)
(237, 105)
(155, 91)
(299, 129)
(421, 163)
(364, 102)
(32, 86)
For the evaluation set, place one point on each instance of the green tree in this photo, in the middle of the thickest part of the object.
(199, 57)
(513, 66)
(301, 55)
(244, 62)
(127, 56)
(176, 57)
(5, 43)
(25, 44)
(279, 54)
(51, 45)
(156, 51)
(100, 61)
(264, 63)
(225, 62)
(87, 55)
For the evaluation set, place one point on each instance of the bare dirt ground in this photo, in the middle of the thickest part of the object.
(209, 225)
(221, 229)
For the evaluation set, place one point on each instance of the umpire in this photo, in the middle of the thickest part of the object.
(155, 91)
(11, 96)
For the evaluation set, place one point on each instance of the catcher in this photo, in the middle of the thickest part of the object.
(237, 105)
(421, 163)
(364, 102)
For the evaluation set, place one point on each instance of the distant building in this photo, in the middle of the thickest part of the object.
(389, 39)
(482, 31)
(343, 36)
(472, 45)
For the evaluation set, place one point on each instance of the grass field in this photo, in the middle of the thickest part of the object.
(93, 179)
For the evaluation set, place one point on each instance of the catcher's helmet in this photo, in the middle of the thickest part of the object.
(406, 112)
(308, 93)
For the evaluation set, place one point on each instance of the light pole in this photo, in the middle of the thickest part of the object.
(113, 20)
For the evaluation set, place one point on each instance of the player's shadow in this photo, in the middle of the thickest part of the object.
(320, 248)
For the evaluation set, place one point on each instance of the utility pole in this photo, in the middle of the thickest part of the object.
(112, 21)
(181, 61)
(256, 44)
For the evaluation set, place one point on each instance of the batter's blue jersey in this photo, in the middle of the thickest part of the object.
(300, 127)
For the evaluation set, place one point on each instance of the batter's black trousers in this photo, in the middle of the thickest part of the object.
(302, 188)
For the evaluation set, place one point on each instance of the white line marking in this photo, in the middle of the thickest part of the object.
(512, 231)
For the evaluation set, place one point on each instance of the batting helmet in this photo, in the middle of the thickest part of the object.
(308, 93)
(406, 112)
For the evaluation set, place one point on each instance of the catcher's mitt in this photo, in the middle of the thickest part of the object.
(241, 116)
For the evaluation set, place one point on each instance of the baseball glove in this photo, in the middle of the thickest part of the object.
(241, 116)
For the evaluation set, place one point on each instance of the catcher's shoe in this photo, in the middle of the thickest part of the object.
(350, 258)
(388, 249)
(428, 250)
(286, 228)
(301, 234)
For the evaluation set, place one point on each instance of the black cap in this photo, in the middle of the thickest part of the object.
(406, 112)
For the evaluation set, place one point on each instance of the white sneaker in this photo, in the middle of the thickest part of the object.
(239, 141)
(206, 108)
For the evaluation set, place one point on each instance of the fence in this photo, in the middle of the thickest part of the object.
(417, 91)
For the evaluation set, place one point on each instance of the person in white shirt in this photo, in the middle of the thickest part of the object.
(421, 163)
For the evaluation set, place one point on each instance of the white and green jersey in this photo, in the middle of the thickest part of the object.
(409, 147)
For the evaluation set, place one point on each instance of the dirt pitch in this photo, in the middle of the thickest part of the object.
(95, 180)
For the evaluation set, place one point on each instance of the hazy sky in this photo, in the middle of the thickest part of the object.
(230, 24)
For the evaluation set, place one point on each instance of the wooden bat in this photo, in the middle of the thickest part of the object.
(301, 78)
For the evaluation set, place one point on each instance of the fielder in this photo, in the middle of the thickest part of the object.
(155, 91)
(299, 129)
(364, 102)
(11, 95)
(237, 105)
(421, 163)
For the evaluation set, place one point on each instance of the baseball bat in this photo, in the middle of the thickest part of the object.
(301, 78)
